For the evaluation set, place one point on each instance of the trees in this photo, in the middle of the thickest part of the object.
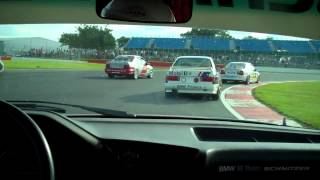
(122, 41)
(89, 37)
(70, 39)
(211, 33)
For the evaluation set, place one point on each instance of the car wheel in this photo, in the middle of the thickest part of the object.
(258, 79)
(216, 97)
(150, 76)
(247, 82)
(111, 76)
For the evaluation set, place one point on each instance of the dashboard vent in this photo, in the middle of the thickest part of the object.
(244, 135)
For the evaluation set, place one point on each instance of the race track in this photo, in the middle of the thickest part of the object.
(143, 96)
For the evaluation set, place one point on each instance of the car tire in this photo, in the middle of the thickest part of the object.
(216, 97)
(111, 76)
(258, 79)
(247, 82)
(150, 76)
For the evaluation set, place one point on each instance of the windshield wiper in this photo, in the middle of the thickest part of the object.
(34, 105)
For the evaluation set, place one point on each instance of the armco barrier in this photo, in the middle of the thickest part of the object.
(97, 61)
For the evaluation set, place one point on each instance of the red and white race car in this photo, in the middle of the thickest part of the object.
(131, 66)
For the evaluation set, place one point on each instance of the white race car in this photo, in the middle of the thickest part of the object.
(193, 75)
(1, 66)
(130, 66)
(240, 71)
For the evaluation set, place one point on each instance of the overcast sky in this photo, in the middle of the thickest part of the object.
(54, 31)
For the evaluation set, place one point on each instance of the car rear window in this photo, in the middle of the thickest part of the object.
(124, 58)
(236, 66)
(192, 62)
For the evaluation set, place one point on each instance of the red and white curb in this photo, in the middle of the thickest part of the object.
(241, 103)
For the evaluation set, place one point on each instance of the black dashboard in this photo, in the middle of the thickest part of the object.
(95, 147)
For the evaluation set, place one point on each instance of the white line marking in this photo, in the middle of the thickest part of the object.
(227, 105)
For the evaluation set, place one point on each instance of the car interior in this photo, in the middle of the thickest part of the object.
(46, 144)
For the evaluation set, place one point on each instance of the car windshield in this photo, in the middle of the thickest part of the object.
(72, 64)
(192, 62)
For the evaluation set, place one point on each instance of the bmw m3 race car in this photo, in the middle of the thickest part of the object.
(240, 71)
(131, 66)
(193, 75)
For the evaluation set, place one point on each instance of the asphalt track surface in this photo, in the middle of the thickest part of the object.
(142, 96)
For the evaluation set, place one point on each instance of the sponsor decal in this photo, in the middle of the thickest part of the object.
(204, 74)
(180, 73)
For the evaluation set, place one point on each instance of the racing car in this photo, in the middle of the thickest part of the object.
(193, 75)
(240, 71)
(1, 66)
(131, 66)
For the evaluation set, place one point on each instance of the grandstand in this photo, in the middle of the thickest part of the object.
(294, 46)
(316, 45)
(210, 44)
(169, 43)
(225, 45)
(138, 43)
(253, 45)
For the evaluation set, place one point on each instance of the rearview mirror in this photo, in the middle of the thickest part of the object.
(151, 11)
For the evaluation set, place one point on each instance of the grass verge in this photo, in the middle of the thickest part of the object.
(297, 100)
(51, 64)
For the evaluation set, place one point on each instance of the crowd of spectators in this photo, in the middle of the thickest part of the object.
(62, 53)
(258, 59)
